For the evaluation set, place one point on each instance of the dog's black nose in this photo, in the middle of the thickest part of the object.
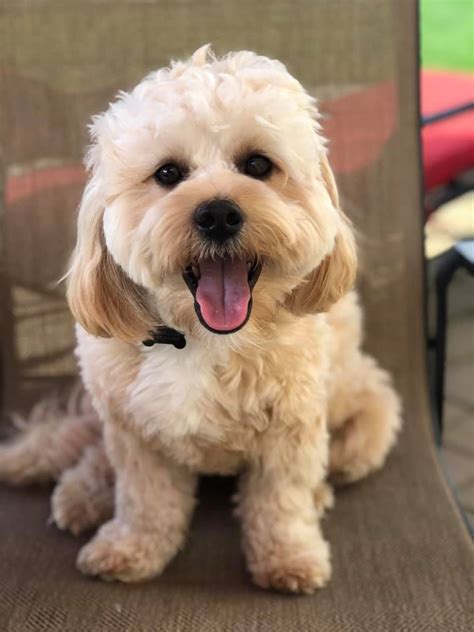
(218, 219)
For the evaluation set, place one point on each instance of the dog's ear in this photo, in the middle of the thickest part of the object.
(335, 275)
(100, 295)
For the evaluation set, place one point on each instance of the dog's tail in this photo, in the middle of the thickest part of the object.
(50, 440)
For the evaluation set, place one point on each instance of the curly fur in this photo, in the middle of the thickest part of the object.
(284, 402)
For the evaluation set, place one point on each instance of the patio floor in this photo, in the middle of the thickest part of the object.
(451, 222)
(457, 452)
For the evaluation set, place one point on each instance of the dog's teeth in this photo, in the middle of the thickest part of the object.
(195, 270)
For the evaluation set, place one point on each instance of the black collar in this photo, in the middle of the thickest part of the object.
(167, 336)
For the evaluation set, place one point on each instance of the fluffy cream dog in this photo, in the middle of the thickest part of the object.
(212, 211)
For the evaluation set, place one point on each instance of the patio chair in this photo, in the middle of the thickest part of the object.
(402, 557)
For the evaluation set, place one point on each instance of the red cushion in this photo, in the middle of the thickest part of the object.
(448, 146)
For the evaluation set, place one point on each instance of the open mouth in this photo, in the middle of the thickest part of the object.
(222, 291)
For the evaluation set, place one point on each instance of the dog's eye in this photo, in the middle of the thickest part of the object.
(169, 174)
(258, 166)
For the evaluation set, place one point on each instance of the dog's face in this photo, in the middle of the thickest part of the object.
(211, 207)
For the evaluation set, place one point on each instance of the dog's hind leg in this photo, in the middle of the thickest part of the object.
(84, 495)
(364, 419)
(50, 441)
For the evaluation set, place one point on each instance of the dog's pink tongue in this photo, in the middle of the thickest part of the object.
(223, 293)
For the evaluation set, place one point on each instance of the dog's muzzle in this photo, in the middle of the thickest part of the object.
(221, 285)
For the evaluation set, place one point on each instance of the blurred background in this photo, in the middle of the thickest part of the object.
(447, 89)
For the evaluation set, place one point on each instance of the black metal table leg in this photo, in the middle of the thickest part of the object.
(448, 264)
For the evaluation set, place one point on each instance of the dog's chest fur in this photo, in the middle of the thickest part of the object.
(210, 409)
(206, 409)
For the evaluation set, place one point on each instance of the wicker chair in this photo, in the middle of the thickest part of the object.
(401, 554)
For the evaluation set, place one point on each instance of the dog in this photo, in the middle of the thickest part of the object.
(218, 331)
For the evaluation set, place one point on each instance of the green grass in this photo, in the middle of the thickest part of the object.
(447, 34)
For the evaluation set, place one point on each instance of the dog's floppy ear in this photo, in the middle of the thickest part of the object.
(335, 275)
(100, 295)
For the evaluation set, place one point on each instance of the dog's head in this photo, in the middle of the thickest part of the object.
(211, 203)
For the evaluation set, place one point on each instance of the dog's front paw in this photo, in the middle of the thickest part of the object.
(294, 571)
(117, 552)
